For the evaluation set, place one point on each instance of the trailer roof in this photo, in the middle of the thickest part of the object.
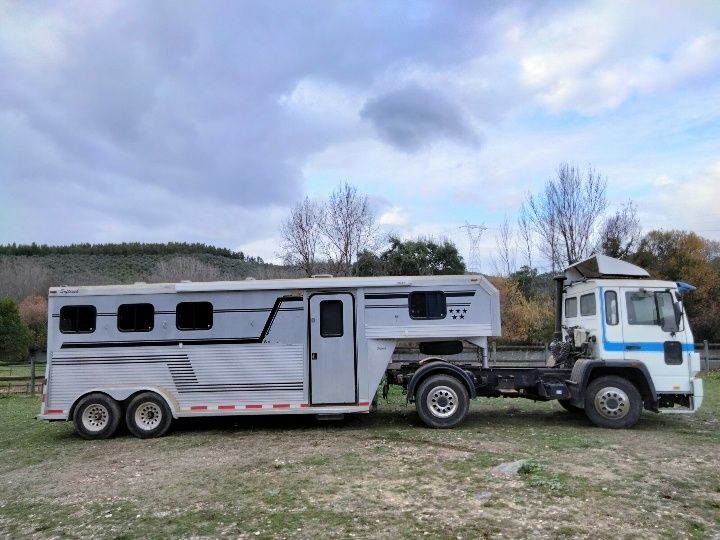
(275, 284)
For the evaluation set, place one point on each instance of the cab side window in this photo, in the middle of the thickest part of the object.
(587, 305)
(611, 308)
(571, 307)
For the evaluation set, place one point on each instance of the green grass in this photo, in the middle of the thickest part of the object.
(381, 475)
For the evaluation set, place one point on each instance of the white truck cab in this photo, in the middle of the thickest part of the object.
(632, 326)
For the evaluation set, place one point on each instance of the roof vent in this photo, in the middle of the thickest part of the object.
(185, 281)
(321, 276)
(249, 279)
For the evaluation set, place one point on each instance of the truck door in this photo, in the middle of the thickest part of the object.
(661, 350)
(332, 349)
(611, 323)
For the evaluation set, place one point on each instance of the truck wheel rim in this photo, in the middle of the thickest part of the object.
(148, 416)
(612, 403)
(442, 401)
(95, 417)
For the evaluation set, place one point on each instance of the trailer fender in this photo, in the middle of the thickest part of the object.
(635, 372)
(124, 393)
(433, 366)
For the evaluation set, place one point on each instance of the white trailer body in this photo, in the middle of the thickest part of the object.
(305, 346)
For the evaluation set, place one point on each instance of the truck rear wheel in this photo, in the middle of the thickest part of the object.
(96, 416)
(148, 416)
(442, 401)
(613, 402)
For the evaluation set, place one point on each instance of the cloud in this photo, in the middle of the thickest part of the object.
(412, 117)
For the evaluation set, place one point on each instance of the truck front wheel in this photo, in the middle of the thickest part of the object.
(442, 401)
(613, 402)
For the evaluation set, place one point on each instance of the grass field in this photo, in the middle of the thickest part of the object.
(381, 475)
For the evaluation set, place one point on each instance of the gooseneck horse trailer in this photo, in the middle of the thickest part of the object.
(146, 354)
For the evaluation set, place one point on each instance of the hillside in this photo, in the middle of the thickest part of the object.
(27, 270)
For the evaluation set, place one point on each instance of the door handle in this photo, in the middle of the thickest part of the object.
(313, 356)
(632, 347)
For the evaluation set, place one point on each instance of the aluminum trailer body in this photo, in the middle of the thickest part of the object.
(147, 353)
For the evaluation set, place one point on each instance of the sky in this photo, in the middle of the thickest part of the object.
(207, 121)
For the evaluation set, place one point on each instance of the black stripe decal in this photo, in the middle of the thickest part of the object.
(175, 342)
(385, 296)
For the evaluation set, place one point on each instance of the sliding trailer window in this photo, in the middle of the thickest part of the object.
(136, 317)
(77, 319)
(194, 316)
(427, 305)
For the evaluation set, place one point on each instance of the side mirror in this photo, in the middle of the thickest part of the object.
(678, 313)
(669, 323)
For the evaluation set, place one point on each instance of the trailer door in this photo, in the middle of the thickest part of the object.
(332, 349)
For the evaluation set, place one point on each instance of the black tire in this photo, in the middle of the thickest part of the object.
(442, 401)
(148, 416)
(569, 407)
(97, 416)
(613, 402)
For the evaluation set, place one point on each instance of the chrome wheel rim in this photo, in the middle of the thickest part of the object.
(442, 401)
(148, 416)
(95, 417)
(612, 403)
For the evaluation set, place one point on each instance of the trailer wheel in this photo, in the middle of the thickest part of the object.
(569, 407)
(442, 401)
(148, 415)
(96, 416)
(613, 402)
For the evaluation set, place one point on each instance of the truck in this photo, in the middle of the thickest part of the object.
(143, 355)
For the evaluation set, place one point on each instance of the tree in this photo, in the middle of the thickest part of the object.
(421, 257)
(184, 268)
(620, 233)
(339, 229)
(523, 319)
(15, 338)
(564, 215)
(300, 234)
(347, 228)
(33, 313)
(685, 256)
(506, 249)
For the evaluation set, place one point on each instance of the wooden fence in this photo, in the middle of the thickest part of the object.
(27, 378)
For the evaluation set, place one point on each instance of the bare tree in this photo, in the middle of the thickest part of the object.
(525, 235)
(620, 234)
(565, 214)
(347, 228)
(23, 276)
(184, 268)
(506, 249)
(300, 234)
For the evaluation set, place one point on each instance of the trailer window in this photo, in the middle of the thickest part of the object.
(77, 319)
(194, 316)
(571, 307)
(611, 308)
(331, 318)
(136, 317)
(587, 304)
(427, 305)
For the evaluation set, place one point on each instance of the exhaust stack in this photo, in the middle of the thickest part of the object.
(559, 281)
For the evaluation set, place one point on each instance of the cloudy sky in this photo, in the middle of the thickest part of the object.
(206, 121)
